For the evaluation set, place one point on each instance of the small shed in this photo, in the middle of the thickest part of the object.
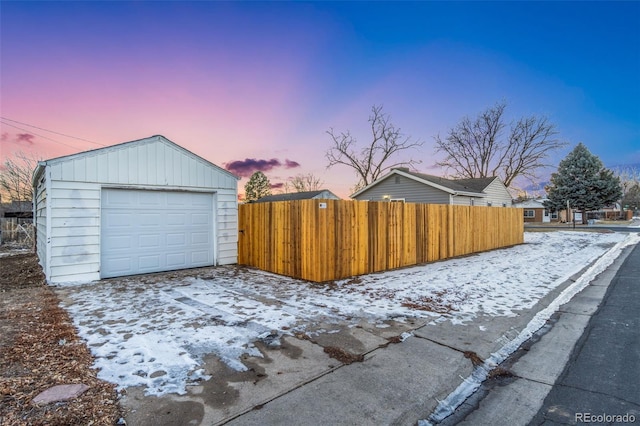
(133, 208)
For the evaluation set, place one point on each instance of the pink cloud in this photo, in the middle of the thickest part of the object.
(24, 137)
(248, 166)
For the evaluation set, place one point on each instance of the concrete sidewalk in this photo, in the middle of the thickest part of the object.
(403, 383)
(585, 362)
(392, 380)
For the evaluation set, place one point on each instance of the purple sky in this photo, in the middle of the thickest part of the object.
(256, 85)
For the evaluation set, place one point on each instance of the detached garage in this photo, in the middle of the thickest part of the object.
(133, 208)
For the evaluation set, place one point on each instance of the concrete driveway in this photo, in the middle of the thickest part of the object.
(211, 345)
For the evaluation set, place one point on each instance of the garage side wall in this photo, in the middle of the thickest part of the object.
(227, 226)
(74, 240)
(40, 219)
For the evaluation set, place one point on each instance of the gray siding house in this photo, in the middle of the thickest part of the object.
(403, 185)
(137, 207)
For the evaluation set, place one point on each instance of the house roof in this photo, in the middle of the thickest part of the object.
(291, 196)
(471, 187)
(530, 203)
(152, 139)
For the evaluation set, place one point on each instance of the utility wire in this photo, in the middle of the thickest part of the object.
(42, 136)
(50, 131)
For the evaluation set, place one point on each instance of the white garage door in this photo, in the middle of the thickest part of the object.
(152, 231)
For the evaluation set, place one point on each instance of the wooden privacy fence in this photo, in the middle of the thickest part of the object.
(322, 240)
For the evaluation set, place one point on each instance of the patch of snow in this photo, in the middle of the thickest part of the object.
(15, 252)
(155, 334)
(469, 385)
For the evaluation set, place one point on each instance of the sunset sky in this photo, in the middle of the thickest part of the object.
(256, 85)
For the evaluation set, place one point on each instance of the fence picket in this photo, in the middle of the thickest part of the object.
(346, 238)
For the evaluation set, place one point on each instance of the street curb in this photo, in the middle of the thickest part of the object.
(603, 268)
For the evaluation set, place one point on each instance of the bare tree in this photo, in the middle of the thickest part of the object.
(375, 158)
(629, 176)
(478, 148)
(15, 177)
(303, 183)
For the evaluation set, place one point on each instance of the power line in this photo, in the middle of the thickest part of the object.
(42, 136)
(50, 131)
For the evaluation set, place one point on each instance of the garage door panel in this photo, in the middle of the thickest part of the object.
(119, 266)
(199, 257)
(198, 238)
(149, 198)
(149, 220)
(115, 198)
(177, 239)
(199, 219)
(176, 219)
(177, 260)
(149, 241)
(153, 231)
(149, 262)
(118, 219)
(179, 199)
(120, 242)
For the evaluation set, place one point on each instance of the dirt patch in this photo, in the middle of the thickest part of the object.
(474, 357)
(342, 355)
(435, 304)
(39, 348)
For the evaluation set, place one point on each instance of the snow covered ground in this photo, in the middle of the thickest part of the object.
(154, 330)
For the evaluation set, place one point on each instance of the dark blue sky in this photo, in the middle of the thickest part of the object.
(256, 80)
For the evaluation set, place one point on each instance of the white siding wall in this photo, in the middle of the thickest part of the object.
(227, 226)
(73, 200)
(146, 163)
(465, 200)
(75, 231)
(40, 207)
(497, 194)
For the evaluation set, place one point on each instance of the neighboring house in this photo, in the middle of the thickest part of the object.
(137, 207)
(323, 194)
(402, 185)
(21, 209)
(535, 211)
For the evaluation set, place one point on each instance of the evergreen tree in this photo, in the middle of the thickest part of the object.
(583, 181)
(257, 187)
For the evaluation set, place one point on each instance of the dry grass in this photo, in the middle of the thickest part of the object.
(39, 348)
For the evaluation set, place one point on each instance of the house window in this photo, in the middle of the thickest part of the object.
(397, 179)
(530, 213)
(554, 215)
(397, 200)
(473, 202)
(489, 203)
(504, 204)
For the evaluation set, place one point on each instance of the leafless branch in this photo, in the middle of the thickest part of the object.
(476, 149)
(371, 161)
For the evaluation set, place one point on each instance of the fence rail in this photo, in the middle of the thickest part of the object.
(16, 230)
(322, 240)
